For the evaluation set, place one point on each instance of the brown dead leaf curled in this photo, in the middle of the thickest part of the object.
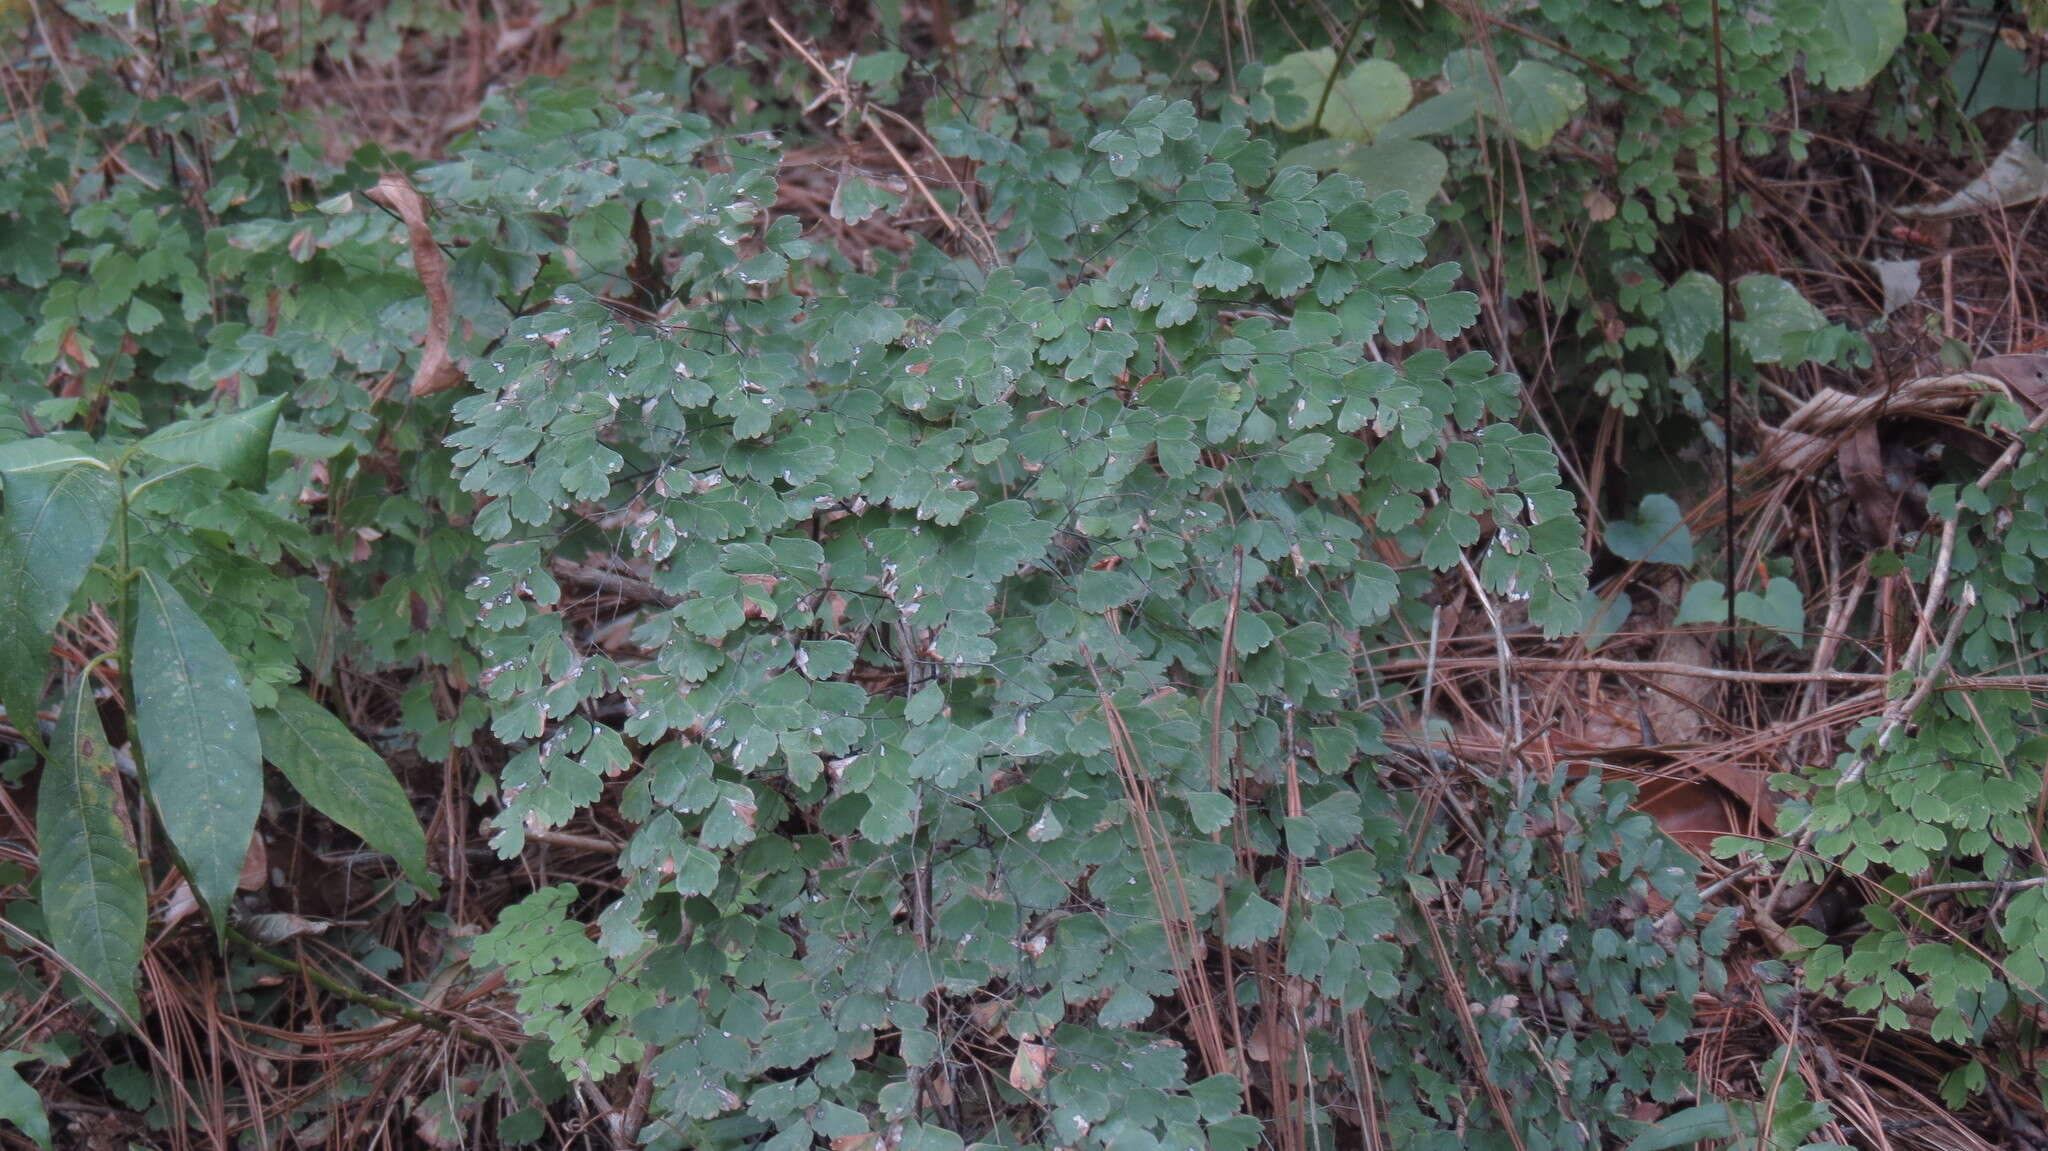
(2017, 176)
(436, 372)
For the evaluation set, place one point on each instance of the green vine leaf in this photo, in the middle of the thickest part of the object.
(199, 740)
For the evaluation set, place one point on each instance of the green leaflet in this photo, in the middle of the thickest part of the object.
(92, 896)
(236, 444)
(1541, 100)
(199, 740)
(340, 775)
(56, 517)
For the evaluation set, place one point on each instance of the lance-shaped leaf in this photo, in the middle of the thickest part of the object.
(55, 520)
(340, 775)
(237, 444)
(199, 742)
(93, 901)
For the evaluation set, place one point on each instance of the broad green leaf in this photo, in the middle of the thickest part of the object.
(237, 444)
(17, 454)
(1409, 166)
(93, 902)
(19, 1103)
(1854, 39)
(1990, 73)
(1434, 116)
(1367, 99)
(339, 774)
(199, 740)
(1541, 100)
(1324, 155)
(1692, 310)
(1657, 535)
(1781, 607)
(1775, 319)
(56, 517)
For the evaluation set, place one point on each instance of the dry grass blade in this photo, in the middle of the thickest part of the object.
(1169, 892)
(840, 90)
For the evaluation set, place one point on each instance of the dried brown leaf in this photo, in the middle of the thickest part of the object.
(436, 372)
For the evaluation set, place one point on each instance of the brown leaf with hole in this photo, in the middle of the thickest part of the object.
(436, 371)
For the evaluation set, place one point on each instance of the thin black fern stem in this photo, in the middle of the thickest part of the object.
(1721, 162)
